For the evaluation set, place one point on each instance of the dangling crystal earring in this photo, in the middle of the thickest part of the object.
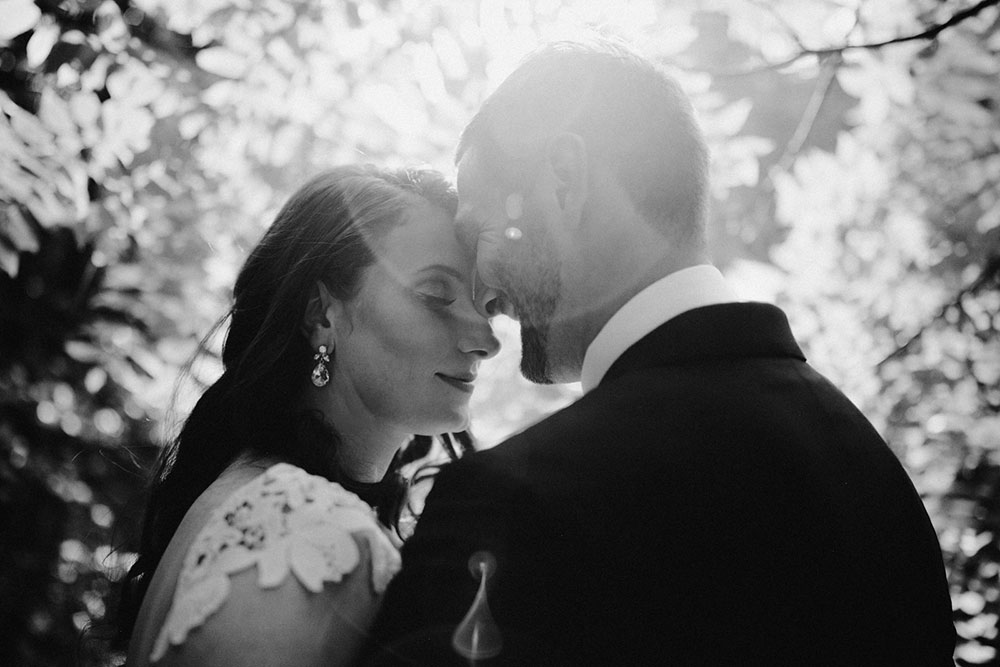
(320, 373)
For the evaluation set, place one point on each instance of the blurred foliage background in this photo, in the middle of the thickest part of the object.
(145, 145)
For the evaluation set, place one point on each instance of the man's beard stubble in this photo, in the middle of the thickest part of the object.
(534, 361)
(534, 293)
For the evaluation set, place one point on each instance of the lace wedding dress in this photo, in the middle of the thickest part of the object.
(282, 522)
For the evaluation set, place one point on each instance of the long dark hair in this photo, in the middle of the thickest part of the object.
(324, 232)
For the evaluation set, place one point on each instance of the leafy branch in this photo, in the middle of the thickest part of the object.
(819, 94)
(144, 26)
(930, 32)
(989, 278)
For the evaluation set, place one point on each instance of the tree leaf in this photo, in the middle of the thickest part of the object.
(19, 16)
(16, 229)
(45, 36)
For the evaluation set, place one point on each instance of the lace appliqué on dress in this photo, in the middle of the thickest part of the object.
(284, 520)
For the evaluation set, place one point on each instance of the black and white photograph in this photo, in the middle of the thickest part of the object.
(500, 332)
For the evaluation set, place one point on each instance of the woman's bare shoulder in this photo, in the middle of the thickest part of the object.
(288, 569)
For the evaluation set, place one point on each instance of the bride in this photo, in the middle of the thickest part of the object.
(353, 332)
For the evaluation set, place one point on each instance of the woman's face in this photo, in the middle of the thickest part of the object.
(409, 344)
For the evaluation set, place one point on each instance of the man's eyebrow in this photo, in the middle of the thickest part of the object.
(444, 268)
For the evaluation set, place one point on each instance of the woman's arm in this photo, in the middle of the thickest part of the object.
(289, 570)
(286, 625)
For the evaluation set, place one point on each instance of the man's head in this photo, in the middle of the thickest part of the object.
(582, 171)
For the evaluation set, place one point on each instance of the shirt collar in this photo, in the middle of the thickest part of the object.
(679, 292)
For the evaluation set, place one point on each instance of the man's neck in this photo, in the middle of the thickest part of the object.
(593, 306)
(676, 293)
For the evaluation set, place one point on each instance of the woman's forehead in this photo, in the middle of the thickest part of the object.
(425, 236)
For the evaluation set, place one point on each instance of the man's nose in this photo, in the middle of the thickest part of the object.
(488, 300)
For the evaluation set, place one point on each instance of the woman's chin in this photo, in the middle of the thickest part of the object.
(453, 421)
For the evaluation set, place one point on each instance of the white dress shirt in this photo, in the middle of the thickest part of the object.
(684, 290)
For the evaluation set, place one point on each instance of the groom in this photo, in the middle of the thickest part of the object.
(711, 499)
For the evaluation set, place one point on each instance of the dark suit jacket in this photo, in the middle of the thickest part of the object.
(714, 501)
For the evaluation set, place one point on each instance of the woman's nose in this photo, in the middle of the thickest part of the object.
(478, 338)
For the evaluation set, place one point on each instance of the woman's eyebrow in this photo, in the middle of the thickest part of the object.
(444, 268)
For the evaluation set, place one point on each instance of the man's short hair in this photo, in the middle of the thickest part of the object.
(631, 114)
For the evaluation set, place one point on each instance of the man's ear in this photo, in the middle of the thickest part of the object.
(567, 158)
(318, 320)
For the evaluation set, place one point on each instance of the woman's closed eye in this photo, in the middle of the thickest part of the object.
(436, 293)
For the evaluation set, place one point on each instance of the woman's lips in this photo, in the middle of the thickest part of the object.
(462, 384)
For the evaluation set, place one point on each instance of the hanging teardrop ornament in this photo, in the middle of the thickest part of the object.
(320, 375)
(478, 637)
